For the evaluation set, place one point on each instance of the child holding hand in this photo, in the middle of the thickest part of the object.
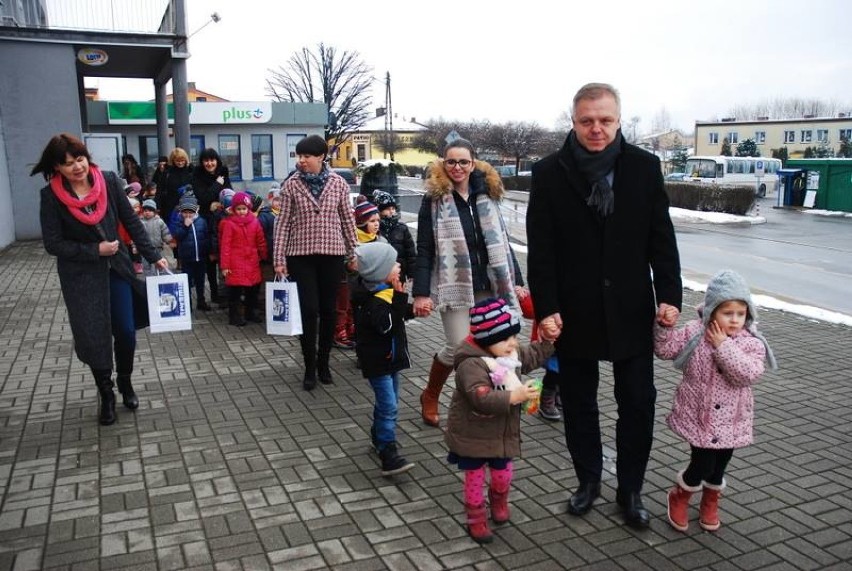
(721, 355)
(484, 423)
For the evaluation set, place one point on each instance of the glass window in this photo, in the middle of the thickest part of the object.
(733, 137)
(822, 135)
(229, 152)
(789, 136)
(844, 134)
(713, 138)
(148, 154)
(196, 145)
(701, 168)
(807, 135)
(760, 137)
(261, 156)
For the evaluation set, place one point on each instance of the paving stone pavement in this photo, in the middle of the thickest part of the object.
(229, 464)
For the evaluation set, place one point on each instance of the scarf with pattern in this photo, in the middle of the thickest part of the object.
(452, 275)
(316, 181)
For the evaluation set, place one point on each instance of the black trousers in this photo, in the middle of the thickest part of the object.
(317, 278)
(635, 396)
(707, 465)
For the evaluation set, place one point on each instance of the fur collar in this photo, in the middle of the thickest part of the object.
(438, 183)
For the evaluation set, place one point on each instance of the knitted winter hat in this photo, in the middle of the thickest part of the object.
(188, 202)
(149, 205)
(241, 199)
(726, 285)
(383, 199)
(133, 202)
(492, 321)
(375, 262)
(364, 209)
(225, 197)
(273, 190)
(133, 189)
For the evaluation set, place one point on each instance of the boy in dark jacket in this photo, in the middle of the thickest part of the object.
(193, 247)
(396, 233)
(380, 307)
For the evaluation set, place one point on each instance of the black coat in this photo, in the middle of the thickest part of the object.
(84, 274)
(207, 188)
(167, 188)
(597, 272)
(381, 342)
(406, 253)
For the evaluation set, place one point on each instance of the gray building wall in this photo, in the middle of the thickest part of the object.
(7, 222)
(38, 99)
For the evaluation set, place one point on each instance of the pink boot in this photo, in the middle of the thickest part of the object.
(678, 503)
(709, 509)
(477, 523)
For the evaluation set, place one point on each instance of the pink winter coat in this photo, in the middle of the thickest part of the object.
(713, 404)
(241, 248)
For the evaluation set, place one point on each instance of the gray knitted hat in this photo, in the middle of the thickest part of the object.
(188, 202)
(726, 285)
(375, 262)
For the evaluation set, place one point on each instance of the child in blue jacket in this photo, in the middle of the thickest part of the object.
(193, 247)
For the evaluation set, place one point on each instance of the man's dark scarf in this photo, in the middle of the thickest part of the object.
(594, 167)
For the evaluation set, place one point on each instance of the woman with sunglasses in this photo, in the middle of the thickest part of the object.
(463, 254)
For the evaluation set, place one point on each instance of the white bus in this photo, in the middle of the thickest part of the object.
(735, 170)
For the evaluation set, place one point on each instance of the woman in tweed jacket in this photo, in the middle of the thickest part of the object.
(314, 232)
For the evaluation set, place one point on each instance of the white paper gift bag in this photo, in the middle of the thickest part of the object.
(168, 302)
(283, 314)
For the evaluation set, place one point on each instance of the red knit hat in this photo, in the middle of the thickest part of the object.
(241, 199)
(364, 209)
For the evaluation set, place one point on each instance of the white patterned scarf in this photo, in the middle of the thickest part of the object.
(452, 275)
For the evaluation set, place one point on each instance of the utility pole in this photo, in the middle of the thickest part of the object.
(390, 144)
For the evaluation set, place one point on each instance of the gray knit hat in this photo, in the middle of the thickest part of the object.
(149, 205)
(726, 285)
(188, 202)
(375, 262)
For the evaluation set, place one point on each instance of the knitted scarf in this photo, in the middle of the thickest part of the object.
(594, 167)
(452, 275)
(316, 181)
(79, 207)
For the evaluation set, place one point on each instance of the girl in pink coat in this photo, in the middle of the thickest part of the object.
(241, 248)
(721, 355)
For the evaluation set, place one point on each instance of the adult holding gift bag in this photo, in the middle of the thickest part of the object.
(82, 210)
(314, 231)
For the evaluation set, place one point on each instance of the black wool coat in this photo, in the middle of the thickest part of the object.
(605, 276)
(84, 274)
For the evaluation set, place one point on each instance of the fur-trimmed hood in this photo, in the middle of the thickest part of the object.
(484, 176)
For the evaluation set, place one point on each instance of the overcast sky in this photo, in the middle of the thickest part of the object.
(524, 60)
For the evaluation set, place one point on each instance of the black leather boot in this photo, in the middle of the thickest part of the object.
(323, 369)
(234, 317)
(128, 395)
(103, 379)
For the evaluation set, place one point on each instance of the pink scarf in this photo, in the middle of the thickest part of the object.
(76, 206)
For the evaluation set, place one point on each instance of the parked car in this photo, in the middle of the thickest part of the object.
(347, 174)
(677, 176)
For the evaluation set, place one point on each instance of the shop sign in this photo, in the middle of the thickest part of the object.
(92, 56)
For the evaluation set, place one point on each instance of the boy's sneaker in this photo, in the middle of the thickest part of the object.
(392, 462)
(548, 408)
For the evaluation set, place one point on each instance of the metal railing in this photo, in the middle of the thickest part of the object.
(129, 16)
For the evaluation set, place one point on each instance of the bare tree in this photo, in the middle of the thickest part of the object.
(517, 140)
(564, 122)
(788, 108)
(340, 80)
(662, 121)
(434, 138)
(631, 132)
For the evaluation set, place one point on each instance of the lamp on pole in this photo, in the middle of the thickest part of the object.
(214, 19)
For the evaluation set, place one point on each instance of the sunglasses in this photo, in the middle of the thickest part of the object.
(463, 163)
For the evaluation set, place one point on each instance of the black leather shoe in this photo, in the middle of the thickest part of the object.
(635, 514)
(310, 380)
(581, 501)
(325, 375)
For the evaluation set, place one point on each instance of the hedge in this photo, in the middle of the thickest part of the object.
(710, 197)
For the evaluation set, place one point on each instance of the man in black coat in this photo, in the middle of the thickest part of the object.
(603, 261)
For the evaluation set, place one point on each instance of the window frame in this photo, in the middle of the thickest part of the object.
(822, 135)
(232, 174)
(256, 173)
(760, 137)
(713, 138)
(790, 136)
(807, 135)
(733, 137)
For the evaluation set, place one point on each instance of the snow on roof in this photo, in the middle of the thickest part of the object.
(399, 124)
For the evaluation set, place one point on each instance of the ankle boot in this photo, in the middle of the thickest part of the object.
(438, 375)
(234, 317)
(678, 503)
(128, 395)
(709, 509)
(103, 379)
(477, 523)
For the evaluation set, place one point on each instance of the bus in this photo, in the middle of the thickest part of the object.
(735, 170)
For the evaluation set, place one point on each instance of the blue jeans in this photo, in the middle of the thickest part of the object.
(123, 324)
(386, 388)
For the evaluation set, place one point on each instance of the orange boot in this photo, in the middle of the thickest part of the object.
(438, 375)
(678, 503)
(709, 509)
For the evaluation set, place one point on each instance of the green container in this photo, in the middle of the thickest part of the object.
(835, 182)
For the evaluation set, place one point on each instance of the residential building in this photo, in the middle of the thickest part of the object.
(795, 134)
(367, 143)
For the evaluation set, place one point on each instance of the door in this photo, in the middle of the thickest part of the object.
(106, 150)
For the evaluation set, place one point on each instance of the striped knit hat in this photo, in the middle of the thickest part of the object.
(492, 321)
(364, 209)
